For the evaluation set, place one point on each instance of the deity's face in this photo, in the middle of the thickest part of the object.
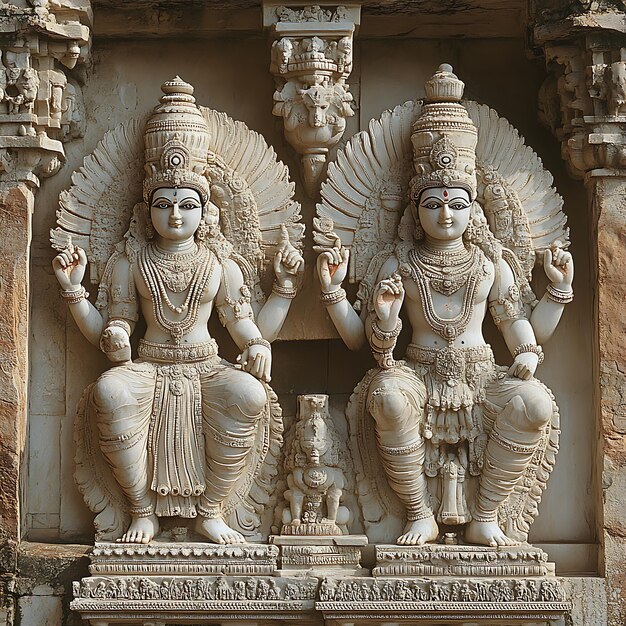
(444, 212)
(176, 213)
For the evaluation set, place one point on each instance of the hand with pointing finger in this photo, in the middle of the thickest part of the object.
(559, 267)
(332, 263)
(69, 267)
(388, 298)
(288, 262)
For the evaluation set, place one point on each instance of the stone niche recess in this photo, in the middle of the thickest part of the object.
(301, 477)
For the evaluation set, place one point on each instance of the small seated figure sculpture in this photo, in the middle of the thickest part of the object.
(177, 425)
(315, 478)
(448, 411)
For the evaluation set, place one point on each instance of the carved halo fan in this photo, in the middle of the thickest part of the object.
(249, 185)
(365, 195)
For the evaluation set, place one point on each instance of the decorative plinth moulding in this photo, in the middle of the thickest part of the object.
(420, 600)
(443, 560)
(173, 599)
(160, 559)
(338, 555)
(311, 60)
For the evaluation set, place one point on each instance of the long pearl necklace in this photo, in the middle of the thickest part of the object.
(469, 271)
(152, 273)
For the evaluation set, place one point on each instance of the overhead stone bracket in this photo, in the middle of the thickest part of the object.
(311, 60)
(40, 106)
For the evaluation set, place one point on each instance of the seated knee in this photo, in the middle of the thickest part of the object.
(250, 397)
(388, 403)
(109, 393)
(537, 405)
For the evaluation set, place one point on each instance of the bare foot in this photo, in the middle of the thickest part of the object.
(141, 530)
(487, 534)
(218, 531)
(419, 532)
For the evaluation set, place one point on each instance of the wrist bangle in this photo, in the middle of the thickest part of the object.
(289, 293)
(561, 297)
(386, 335)
(259, 341)
(74, 295)
(529, 347)
(333, 297)
(119, 323)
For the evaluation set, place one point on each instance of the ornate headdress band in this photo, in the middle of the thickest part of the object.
(176, 142)
(444, 138)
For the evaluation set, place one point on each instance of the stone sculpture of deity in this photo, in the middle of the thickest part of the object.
(178, 426)
(448, 413)
(316, 464)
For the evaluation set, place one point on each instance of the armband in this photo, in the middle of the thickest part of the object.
(120, 323)
(383, 335)
(529, 347)
(333, 297)
(258, 341)
(289, 293)
(558, 296)
(72, 296)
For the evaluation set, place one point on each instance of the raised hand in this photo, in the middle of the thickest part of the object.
(288, 262)
(69, 267)
(559, 267)
(388, 298)
(332, 262)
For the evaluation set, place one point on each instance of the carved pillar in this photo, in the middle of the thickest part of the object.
(39, 108)
(584, 101)
(311, 60)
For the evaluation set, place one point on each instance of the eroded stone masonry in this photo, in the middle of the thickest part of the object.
(316, 356)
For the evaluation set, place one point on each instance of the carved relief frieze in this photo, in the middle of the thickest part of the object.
(311, 60)
(40, 100)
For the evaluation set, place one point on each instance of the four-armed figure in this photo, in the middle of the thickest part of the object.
(177, 425)
(449, 411)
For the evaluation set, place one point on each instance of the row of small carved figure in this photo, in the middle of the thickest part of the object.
(478, 555)
(178, 588)
(433, 591)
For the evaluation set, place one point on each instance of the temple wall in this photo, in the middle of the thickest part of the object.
(231, 74)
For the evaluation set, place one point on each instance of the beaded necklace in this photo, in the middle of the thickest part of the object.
(446, 272)
(153, 275)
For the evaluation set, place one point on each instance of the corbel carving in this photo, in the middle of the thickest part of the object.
(311, 60)
(40, 101)
(583, 99)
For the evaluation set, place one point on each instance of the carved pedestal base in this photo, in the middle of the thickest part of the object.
(338, 555)
(464, 561)
(182, 559)
(454, 584)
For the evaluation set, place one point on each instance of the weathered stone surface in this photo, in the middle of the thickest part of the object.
(16, 205)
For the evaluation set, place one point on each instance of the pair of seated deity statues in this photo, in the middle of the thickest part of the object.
(179, 432)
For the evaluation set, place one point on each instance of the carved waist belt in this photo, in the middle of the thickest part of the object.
(429, 356)
(167, 353)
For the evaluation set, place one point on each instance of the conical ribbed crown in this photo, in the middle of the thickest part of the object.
(444, 137)
(176, 141)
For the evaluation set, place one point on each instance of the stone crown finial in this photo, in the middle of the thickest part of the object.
(444, 86)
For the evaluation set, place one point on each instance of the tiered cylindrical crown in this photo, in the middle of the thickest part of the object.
(176, 142)
(444, 137)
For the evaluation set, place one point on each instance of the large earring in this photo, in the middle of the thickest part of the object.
(203, 230)
(149, 228)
